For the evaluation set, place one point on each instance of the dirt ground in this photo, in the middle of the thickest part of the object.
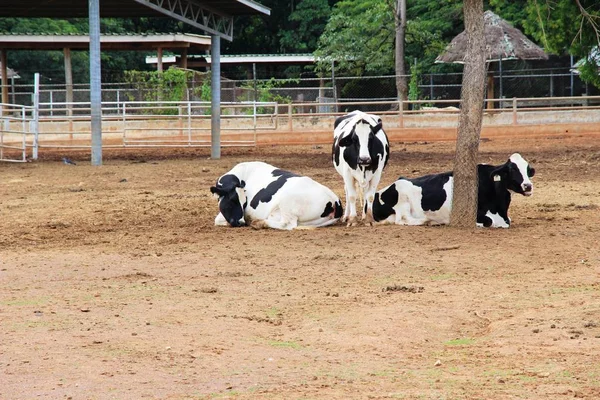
(114, 284)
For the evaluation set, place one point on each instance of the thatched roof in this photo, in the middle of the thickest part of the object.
(501, 40)
(10, 72)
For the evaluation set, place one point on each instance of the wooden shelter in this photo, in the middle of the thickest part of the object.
(502, 42)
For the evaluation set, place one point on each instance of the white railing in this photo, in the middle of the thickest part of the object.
(17, 131)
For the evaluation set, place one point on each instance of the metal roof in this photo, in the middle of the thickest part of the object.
(115, 8)
(107, 42)
(243, 58)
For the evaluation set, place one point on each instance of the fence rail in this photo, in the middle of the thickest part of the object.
(136, 124)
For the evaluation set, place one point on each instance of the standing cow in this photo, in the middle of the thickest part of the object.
(268, 197)
(428, 199)
(360, 153)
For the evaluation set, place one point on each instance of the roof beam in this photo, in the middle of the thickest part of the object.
(194, 14)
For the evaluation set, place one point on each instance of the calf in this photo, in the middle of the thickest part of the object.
(428, 199)
(265, 196)
(360, 153)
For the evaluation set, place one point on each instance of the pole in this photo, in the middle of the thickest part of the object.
(572, 77)
(254, 80)
(36, 114)
(500, 70)
(335, 107)
(215, 103)
(95, 82)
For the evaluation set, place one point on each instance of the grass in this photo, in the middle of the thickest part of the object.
(285, 344)
(460, 342)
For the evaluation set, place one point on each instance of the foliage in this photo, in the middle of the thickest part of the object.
(307, 22)
(359, 37)
(560, 26)
(169, 86)
(413, 85)
(360, 34)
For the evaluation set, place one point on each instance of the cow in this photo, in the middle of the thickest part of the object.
(360, 152)
(428, 199)
(267, 197)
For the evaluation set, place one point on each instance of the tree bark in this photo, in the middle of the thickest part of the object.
(464, 204)
(400, 22)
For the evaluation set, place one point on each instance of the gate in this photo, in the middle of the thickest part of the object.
(18, 129)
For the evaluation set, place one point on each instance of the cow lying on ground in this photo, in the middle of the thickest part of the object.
(360, 153)
(428, 199)
(265, 196)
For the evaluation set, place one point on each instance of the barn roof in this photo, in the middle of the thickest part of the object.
(107, 41)
(502, 40)
(114, 8)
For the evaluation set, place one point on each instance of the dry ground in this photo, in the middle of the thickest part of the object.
(114, 283)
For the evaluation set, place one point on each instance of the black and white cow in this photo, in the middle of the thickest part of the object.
(265, 196)
(360, 153)
(428, 199)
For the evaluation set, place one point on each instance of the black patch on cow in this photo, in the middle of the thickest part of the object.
(335, 150)
(328, 209)
(339, 210)
(229, 182)
(493, 195)
(266, 194)
(387, 153)
(432, 192)
(339, 120)
(389, 198)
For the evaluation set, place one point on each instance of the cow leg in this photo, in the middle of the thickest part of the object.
(277, 219)
(369, 197)
(220, 220)
(351, 197)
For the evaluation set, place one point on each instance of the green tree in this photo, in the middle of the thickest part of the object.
(307, 22)
(561, 26)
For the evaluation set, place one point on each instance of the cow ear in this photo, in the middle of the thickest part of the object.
(346, 140)
(499, 174)
(242, 184)
(216, 191)
(530, 171)
(378, 127)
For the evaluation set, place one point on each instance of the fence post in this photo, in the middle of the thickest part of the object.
(36, 114)
(401, 112)
(514, 110)
(290, 127)
(189, 111)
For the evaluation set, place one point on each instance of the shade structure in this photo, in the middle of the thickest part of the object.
(502, 42)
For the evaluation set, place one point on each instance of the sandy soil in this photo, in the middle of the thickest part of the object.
(114, 283)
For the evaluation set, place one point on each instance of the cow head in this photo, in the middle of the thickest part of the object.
(515, 175)
(232, 199)
(362, 137)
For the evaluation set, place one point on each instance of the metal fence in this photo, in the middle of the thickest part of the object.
(512, 83)
(18, 128)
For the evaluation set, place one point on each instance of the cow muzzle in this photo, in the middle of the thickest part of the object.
(236, 223)
(364, 160)
(527, 189)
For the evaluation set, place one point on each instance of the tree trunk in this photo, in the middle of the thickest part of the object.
(464, 204)
(400, 21)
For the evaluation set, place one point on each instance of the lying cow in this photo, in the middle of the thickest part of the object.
(428, 199)
(360, 153)
(265, 196)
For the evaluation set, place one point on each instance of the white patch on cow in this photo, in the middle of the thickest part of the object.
(497, 178)
(363, 131)
(497, 220)
(521, 164)
(242, 197)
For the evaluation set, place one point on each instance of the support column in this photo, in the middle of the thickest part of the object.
(4, 76)
(69, 87)
(215, 106)
(159, 57)
(184, 58)
(95, 82)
